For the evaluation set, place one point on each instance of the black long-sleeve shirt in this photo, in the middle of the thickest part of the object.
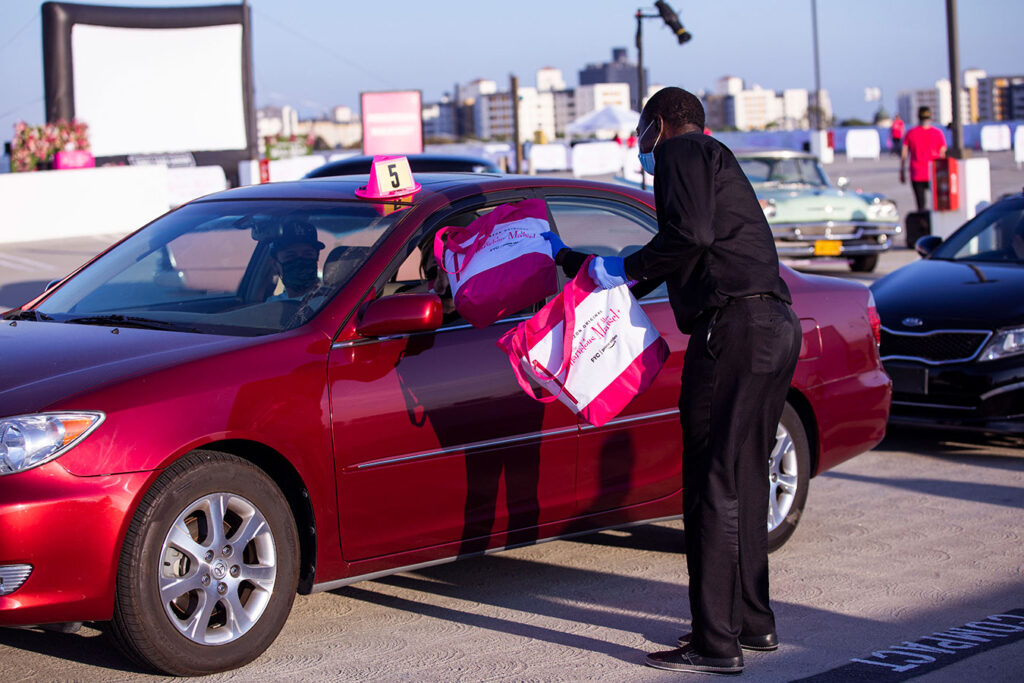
(713, 242)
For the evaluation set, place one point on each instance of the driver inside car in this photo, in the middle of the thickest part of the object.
(295, 254)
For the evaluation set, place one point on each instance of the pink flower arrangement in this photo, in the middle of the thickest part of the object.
(33, 145)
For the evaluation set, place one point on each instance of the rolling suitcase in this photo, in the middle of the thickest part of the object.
(919, 224)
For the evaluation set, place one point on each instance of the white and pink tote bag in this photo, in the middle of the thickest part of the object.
(613, 353)
(499, 263)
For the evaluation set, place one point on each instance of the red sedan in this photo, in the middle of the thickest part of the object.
(193, 428)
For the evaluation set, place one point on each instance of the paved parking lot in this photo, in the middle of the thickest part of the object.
(921, 536)
(907, 564)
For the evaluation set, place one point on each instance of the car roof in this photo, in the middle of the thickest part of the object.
(448, 185)
(748, 153)
(361, 164)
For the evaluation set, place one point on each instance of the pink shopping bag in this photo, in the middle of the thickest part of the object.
(612, 353)
(499, 263)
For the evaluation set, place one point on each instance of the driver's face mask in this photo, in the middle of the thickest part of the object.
(299, 274)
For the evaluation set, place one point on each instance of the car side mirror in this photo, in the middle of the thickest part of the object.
(400, 314)
(842, 182)
(927, 244)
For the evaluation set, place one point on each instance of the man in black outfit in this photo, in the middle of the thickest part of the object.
(715, 251)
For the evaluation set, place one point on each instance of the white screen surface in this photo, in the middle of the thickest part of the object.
(146, 91)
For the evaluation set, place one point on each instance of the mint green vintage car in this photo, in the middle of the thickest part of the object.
(811, 218)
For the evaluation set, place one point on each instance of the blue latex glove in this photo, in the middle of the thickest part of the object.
(608, 272)
(557, 244)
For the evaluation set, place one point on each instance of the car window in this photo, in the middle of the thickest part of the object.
(221, 266)
(604, 227)
(783, 171)
(419, 272)
(996, 234)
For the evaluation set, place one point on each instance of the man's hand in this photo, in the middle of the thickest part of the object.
(903, 176)
(555, 241)
(608, 272)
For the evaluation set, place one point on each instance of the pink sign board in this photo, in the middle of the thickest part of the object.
(392, 122)
(73, 159)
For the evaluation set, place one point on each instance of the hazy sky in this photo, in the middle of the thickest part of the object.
(314, 54)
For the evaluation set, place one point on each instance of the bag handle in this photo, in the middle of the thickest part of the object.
(569, 301)
(445, 237)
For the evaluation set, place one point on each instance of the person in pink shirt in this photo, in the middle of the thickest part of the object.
(896, 133)
(923, 144)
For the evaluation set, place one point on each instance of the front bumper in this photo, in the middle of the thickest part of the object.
(69, 530)
(833, 238)
(986, 396)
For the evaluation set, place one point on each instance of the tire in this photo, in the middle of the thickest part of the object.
(863, 264)
(174, 563)
(789, 469)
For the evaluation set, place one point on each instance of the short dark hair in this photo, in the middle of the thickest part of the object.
(924, 113)
(676, 106)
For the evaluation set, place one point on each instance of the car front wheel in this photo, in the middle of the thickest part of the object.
(789, 466)
(864, 264)
(209, 567)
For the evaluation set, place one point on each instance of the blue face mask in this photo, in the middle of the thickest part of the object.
(647, 158)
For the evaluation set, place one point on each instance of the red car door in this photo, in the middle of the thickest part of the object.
(436, 443)
(636, 457)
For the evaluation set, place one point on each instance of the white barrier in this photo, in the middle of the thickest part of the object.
(1018, 146)
(995, 138)
(862, 143)
(111, 200)
(280, 169)
(596, 158)
(185, 184)
(551, 157)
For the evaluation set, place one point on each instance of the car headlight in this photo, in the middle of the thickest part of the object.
(1004, 343)
(27, 441)
(883, 210)
(768, 206)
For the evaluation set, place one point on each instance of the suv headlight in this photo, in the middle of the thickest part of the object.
(883, 210)
(1004, 343)
(768, 206)
(27, 441)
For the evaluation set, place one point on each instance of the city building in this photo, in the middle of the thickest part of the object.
(939, 99)
(997, 100)
(276, 122)
(493, 115)
(439, 120)
(971, 79)
(619, 70)
(564, 103)
(550, 78)
(600, 95)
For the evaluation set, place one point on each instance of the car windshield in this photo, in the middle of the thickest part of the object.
(995, 235)
(783, 171)
(224, 267)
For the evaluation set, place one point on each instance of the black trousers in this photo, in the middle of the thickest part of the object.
(738, 367)
(920, 192)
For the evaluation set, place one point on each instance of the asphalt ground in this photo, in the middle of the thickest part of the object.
(921, 536)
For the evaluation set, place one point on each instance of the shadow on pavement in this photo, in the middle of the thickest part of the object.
(88, 647)
(17, 293)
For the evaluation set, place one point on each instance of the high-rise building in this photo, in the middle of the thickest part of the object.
(939, 99)
(550, 78)
(996, 100)
(439, 120)
(619, 70)
(564, 103)
(536, 114)
(600, 95)
(971, 80)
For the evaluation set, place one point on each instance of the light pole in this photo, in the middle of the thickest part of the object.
(671, 19)
(957, 150)
(817, 69)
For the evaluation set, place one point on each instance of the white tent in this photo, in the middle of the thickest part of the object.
(605, 123)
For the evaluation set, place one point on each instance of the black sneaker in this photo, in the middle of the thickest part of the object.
(688, 659)
(765, 643)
